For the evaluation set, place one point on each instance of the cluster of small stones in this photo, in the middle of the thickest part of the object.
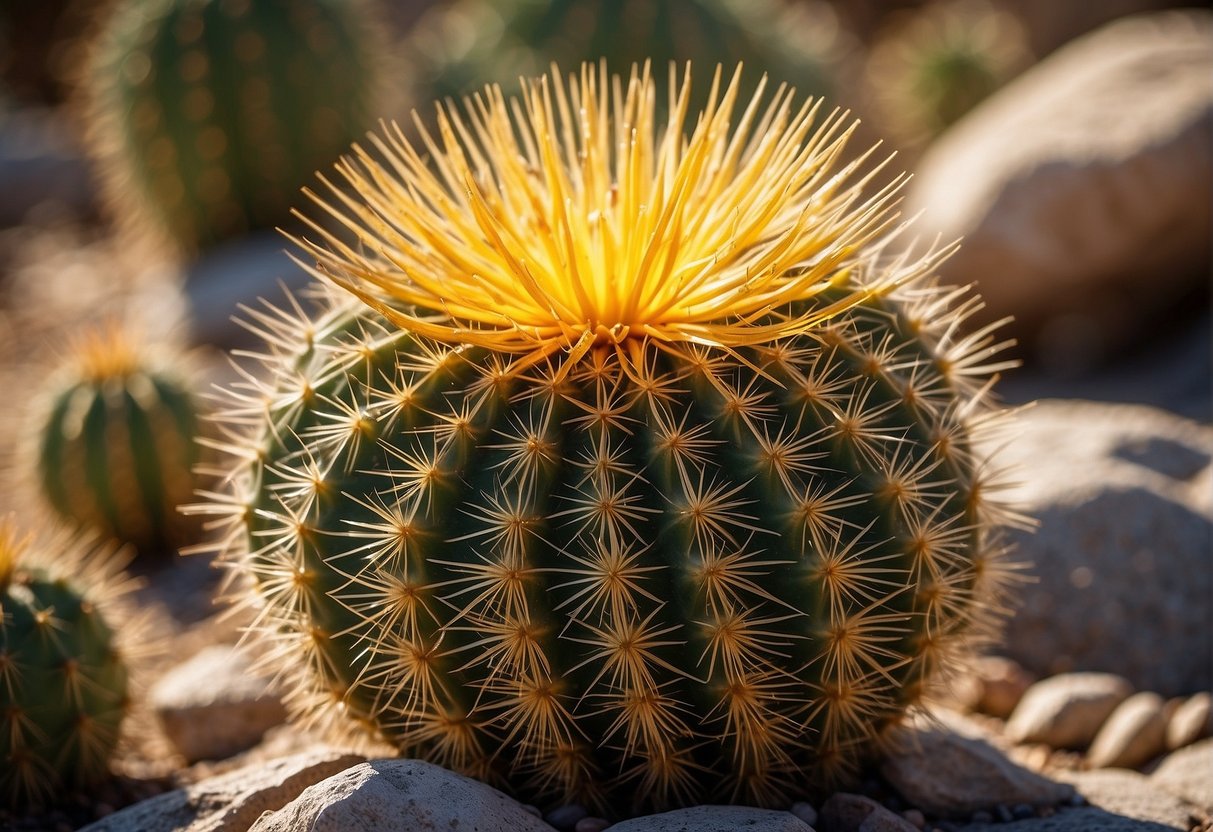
(1094, 720)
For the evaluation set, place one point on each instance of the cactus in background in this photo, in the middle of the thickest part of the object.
(625, 466)
(116, 443)
(63, 682)
(210, 115)
(931, 66)
(465, 43)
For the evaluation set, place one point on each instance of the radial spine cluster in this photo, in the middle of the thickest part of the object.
(624, 466)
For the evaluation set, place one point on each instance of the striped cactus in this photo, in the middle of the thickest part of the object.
(116, 446)
(211, 114)
(462, 43)
(620, 466)
(63, 681)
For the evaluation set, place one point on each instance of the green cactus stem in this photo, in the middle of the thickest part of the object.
(211, 114)
(117, 444)
(625, 470)
(63, 682)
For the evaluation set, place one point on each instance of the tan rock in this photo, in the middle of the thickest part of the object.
(1192, 720)
(1001, 683)
(1081, 188)
(1067, 711)
(214, 705)
(1188, 774)
(1131, 795)
(400, 794)
(1133, 734)
(1120, 559)
(231, 802)
(953, 769)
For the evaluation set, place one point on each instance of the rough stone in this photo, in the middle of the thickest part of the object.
(230, 802)
(993, 685)
(1188, 774)
(1134, 734)
(1081, 187)
(214, 704)
(1132, 795)
(1067, 710)
(805, 812)
(1120, 562)
(715, 819)
(566, 817)
(387, 795)
(845, 812)
(1085, 819)
(1192, 720)
(952, 770)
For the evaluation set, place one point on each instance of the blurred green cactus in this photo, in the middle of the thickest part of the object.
(468, 43)
(117, 444)
(931, 66)
(63, 682)
(211, 114)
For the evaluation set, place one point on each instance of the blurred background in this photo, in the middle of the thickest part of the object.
(150, 147)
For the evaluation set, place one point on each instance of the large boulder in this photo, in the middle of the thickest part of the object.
(1082, 188)
(1120, 565)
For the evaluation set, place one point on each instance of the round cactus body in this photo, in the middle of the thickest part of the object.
(63, 684)
(617, 482)
(117, 445)
(213, 113)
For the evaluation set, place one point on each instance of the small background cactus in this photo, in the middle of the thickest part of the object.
(63, 679)
(116, 442)
(930, 66)
(461, 45)
(209, 115)
(650, 482)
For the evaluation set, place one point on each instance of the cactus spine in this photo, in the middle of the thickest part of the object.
(63, 683)
(626, 472)
(215, 112)
(116, 445)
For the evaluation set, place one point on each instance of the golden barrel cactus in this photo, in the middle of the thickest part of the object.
(620, 463)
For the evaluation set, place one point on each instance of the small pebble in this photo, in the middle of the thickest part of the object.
(565, 818)
(1022, 811)
(914, 816)
(982, 817)
(1077, 799)
(1003, 813)
(591, 825)
(805, 812)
